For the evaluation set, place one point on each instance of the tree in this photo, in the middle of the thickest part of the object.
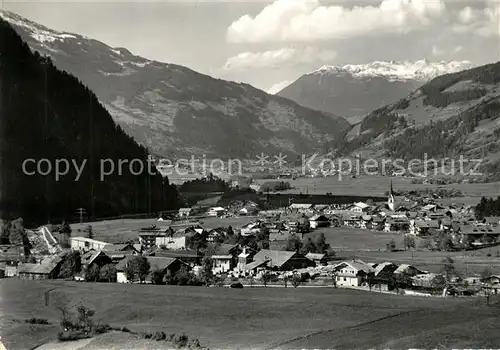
(265, 277)
(157, 276)
(206, 271)
(71, 265)
(449, 267)
(408, 242)
(92, 273)
(285, 280)
(320, 244)
(296, 280)
(391, 245)
(293, 244)
(84, 318)
(486, 273)
(230, 231)
(137, 268)
(309, 246)
(90, 232)
(107, 273)
(334, 275)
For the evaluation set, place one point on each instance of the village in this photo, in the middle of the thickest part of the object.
(280, 247)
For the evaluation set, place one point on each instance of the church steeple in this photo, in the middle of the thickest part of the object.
(390, 199)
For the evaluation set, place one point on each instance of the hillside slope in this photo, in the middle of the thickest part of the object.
(355, 90)
(174, 110)
(454, 114)
(48, 115)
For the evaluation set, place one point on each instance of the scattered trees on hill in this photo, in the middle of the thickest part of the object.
(488, 207)
(207, 184)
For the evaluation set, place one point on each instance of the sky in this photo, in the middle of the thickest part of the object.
(269, 44)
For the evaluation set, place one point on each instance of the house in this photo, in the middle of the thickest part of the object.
(428, 280)
(98, 258)
(359, 207)
(383, 275)
(125, 247)
(48, 268)
(245, 258)
(216, 211)
(215, 233)
(11, 252)
(492, 283)
(241, 182)
(378, 223)
(176, 240)
(351, 220)
(84, 244)
(319, 221)
(352, 273)
(280, 235)
(190, 257)
(423, 227)
(282, 260)
(491, 220)
(302, 208)
(225, 258)
(250, 229)
(396, 224)
(407, 270)
(478, 235)
(184, 212)
(166, 265)
(365, 221)
(317, 258)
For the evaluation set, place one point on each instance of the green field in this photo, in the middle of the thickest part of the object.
(121, 230)
(256, 318)
(378, 186)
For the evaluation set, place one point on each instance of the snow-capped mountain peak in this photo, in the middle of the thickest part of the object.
(421, 70)
(37, 31)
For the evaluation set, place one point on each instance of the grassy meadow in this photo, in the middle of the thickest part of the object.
(257, 318)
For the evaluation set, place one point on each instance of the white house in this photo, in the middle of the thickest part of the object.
(216, 211)
(85, 244)
(359, 207)
(352, 273)
(184, 212)
(222, 263)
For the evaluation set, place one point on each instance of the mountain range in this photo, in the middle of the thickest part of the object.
(175, 111)
(51, 122)
(453, 115)
(353, 91)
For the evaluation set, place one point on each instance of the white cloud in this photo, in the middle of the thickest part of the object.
(279, 86)
(279, 58)
(483, 22)
(303, 20)
(438, 51)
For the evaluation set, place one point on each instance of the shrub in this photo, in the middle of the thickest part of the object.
(159, 336)
(180, 340)
(35, 320)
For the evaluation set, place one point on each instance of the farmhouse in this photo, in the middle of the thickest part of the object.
(176, 240)
(352, 273)
(126, 248)
(359, 207)
(216, 211)
(225, 258)
(85, 244)
(282, 260)
(98, 258)
(190, 257)
(46, 269)
(184, 212)
(319, 221)
(166, 265)
(317, 258)
(423, 227)
(148, 235)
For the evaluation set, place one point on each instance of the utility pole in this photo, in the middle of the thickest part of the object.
(81, 211)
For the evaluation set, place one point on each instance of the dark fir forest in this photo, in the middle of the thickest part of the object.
(48, 113)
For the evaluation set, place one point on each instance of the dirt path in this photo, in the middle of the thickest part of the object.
(70, 345)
